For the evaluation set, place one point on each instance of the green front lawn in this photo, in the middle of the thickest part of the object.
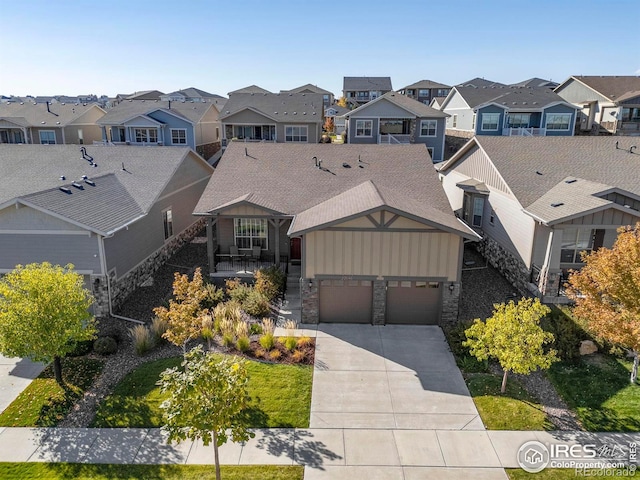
(59, 471)
(514, 410)
(280, 396)
(597, 388)
(44, 403)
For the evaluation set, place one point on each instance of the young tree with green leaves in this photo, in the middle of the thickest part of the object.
(44, 312)
(185, 313)
(206, 400)
(513, 336)
(607, 293)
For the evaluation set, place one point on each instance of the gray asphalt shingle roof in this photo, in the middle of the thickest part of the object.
(31, 173)
(367, 83)
(193, 92)
(480, 82)
(509, 96)
(250, 89)
(59, 115)
(283, 178)
(282, 107)
(310, 88)
(129, 109)
(535, 169)
(611, 86)
(412, 106)
(426, 84)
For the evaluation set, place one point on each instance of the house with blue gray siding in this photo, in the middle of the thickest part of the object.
(506, 111)
(394, 118)
(142, 123)
(115, 213)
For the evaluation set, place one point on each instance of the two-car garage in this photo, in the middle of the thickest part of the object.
(405, 301)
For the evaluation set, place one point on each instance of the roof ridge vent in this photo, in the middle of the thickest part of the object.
(557, 204)
(571, 180)
(66, 190)
(77, 185)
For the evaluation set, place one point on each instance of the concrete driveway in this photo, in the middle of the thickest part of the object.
(388, 377)
(15, 375)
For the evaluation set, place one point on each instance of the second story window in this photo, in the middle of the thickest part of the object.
(178, 136)
(423, 92)
(428, 128)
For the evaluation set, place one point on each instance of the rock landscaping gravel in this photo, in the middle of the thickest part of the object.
(482, 286)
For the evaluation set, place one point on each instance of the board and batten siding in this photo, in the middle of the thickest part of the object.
(578, 93)
(475, 164)
(382, 109)
(384, 253)
(609, 217)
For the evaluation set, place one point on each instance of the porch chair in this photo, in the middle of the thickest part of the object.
(256, 252)
(233, 250)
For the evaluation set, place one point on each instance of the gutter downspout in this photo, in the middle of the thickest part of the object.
(103, 262)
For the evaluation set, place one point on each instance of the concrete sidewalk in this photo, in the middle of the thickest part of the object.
(15, 375)
(326, 453)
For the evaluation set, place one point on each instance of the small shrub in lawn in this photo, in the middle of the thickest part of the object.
(240, 293)
(304, 341)
(243, 344)
(256, 304)
(267, 341)
(270, 282)
(275, 355)
(255, 329)
(297, 356)
(105, 346)
(158, 327)
(142, 338)
(260, 353)
(268, 326)
(290, 343)
(213, 297)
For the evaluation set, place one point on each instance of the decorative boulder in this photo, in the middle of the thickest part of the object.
(587, 347)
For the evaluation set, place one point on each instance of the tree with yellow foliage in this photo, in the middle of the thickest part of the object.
(607, 292)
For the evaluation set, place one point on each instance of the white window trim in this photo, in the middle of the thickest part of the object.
(363, 128)
(55, 140)
(546, 122)
(164, 221)
(179, 130)
(306, 128)
(489, 129)
(435, 122)
(519, 114)
(473, 121)
(454, 121)
(148, 136)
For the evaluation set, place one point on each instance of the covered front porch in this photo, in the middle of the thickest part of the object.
(13, 133)
(395, 130)
(256, 133)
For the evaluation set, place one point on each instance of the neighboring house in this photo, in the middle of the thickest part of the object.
(540, 202)
(480, 83)
(142, 95)
(327, 96)
(504, 110)
(250, 89)
(425, 90)
(138, 122)
(338, 114)
(536, 82)
(370, 225)
(609, 104)
(394, 118)
(115, 213)
(43, 123)
(190, 95)
(273, 117)
(360, 90)
(436, 102)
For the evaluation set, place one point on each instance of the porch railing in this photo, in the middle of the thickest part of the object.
(396, 139)
(244, 263)
(524, 131)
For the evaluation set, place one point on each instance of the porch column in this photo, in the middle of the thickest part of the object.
(276, 225)
(550, 273)
(210, 246)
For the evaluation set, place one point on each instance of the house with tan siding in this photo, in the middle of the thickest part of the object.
(115, 213)
(538, 203)
(370, 225)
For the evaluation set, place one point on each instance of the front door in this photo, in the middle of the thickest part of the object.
(295, 248)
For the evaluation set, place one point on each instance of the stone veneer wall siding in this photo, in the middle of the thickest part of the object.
(123, 287)
(310, 301)
(379, 302)
(514, 269)
(208, 150)
(450, 303)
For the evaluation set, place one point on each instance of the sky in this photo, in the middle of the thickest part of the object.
(73, 47)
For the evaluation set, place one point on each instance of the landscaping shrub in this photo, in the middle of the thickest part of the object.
(243, 344)
(105, 346)
(268, 326)
(471, 364)
(239, 291)
(242, 329)
(270, 282)
(208, 329)
(256, 304)
(227, 340)
(81, 348)
(267, 341)
(275, 355)
(568, 334)
(255, 329)
(455, 336)
(259, 353)
(213, 297)
(158, 327)
(297, 356)
(110, 331)
(304, 341)
(142, 337)
(290, 343)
